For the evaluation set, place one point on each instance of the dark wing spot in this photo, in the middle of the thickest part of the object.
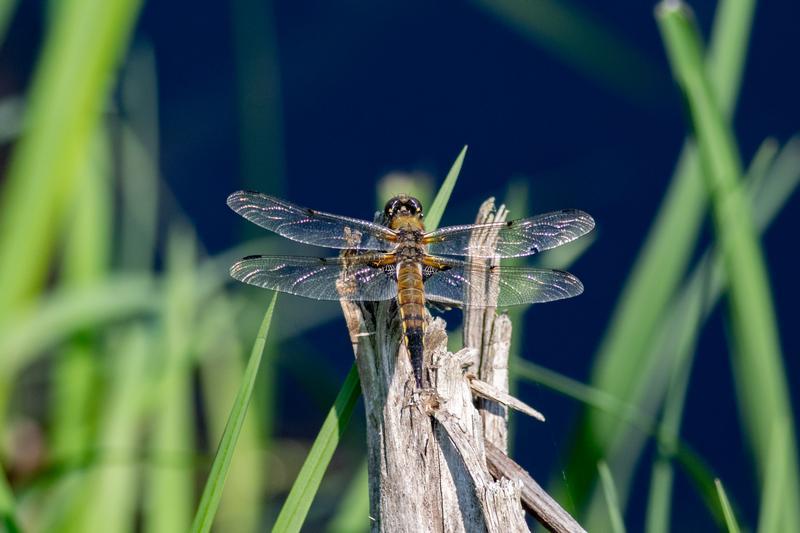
(311, 212)
(252, 257)
(323, 260)
(534, 249)
(510, 223)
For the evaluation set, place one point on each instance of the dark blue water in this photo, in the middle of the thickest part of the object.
(370, 87)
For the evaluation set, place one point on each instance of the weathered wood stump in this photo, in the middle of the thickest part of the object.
(437, 456)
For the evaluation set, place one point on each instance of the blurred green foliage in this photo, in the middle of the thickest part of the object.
(145, 369)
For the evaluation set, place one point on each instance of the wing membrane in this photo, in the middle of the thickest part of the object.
(334, 278)
(516, 238)
(469, 284)
(309, 226)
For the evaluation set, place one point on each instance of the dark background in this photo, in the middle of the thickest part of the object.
(365, 88)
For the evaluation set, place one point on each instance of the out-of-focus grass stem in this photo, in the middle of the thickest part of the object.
(86, 260)
(7, 8)
(8, 511)
(137, 143)
(64, 105)
(67, 95)
(772, 500)
(760, 377)
(169, 492)
(730, 519)
(107, 498)
(656, 274)
(612, 502)
(258, 84)
(691, 307)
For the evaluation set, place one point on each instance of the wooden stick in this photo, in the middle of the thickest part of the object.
(487, 332)
(534, 499)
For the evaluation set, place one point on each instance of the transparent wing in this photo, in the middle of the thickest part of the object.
(516, 238)
(309, 226)
(465, 284)
(334, 278)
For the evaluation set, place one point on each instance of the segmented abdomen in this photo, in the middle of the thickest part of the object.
(411, 301)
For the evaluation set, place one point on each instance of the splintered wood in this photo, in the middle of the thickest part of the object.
(487, 332)
(427, 449)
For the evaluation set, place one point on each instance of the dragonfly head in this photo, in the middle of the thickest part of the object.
(403, 206)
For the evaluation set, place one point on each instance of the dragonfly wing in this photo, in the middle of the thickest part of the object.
(516, 238)
(334, 278)
(467, 284)
(309, 226)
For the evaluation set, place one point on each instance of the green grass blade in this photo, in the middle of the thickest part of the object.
(683, 340)
(658, 506)
(8, 511)
(107, 499)
(7, 8)
(68, 91)
(730, 519)
(774, 481)
(768, 193)
(63, 106)
(656, 274)
(258, 87)
(688, 313)
(222, 358)
(779, 184)
(138, 138)
(212, 493)
(169, 493)
(434, 215)
(295, 509)
(760, 166)
(612, 502)
(86, 260)
(727, 50)
(77, 370)
(757, 360)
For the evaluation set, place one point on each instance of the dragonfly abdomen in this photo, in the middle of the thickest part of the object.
(411, 301)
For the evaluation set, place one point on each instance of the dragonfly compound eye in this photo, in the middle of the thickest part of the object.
(393, 205)
(414, 206)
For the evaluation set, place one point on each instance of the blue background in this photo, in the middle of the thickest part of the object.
(366, 88)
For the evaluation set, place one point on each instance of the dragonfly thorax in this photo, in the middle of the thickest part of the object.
(409, 251)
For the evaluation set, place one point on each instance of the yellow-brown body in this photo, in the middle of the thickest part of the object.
(410, 293)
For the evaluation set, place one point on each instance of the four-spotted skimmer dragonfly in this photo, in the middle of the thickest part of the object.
(398, 259)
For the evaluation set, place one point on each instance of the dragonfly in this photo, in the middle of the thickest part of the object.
(395, 258)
